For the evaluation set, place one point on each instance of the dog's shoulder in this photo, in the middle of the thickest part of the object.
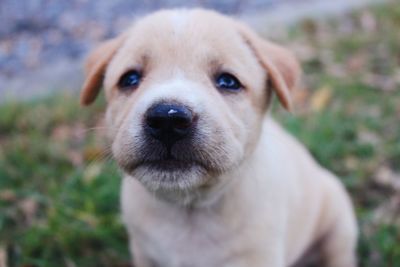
(278, 138)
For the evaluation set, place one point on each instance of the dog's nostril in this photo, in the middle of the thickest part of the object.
(168, 122)
(155, 122)
(181, 122)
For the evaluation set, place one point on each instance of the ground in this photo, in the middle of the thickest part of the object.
(59, 187)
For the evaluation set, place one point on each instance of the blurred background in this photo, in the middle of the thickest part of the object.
(43, 41)
(58, 184)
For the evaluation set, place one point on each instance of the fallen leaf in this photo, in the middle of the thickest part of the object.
(368, 21)
(93, 153)
(388, 212)
(385, 176)
(352, 163)
(75, 157)
(29, 207)
(91, 172)
(381, 82)
(356, 62)
(321, 98)
(7, 195)
(69, 262)
(3, 257)
(369, 137)
(61, 133)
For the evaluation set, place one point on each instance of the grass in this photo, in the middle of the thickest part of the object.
(59, 194)
(59, 190)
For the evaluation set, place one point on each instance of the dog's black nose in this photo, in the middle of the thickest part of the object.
(168, 123)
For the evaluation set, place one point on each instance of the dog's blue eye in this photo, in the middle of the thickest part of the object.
(227, 81)
(129, 80)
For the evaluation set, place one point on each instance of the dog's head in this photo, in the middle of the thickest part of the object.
(187, 91)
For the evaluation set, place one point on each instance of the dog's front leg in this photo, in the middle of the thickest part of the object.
(140, 259)
(273, 261)
(271, 257)
(339, 245)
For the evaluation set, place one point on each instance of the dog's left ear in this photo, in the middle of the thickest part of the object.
(95, 67)
(282, 68)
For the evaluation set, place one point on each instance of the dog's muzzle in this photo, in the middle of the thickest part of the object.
(173, 147)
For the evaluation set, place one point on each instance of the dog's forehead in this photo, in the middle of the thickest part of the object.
(183, 30)
(183, 21)
(178, 20)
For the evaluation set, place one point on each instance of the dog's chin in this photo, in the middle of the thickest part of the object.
(170, 175)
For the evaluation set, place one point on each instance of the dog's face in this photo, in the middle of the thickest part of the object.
(187, 91)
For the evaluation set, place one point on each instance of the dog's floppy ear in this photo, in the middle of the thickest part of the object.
(282, 68)
(95, 66)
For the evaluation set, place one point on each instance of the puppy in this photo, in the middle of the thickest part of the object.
(209, 178)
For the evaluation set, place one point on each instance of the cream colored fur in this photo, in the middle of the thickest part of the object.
(256, 198)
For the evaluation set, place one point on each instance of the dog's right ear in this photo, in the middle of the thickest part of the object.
(282, 67)
(95, 67)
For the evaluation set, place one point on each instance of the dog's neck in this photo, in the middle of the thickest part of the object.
(200, 197)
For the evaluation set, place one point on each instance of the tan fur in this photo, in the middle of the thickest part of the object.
(255, 197)
(278, 62)
(95, 67)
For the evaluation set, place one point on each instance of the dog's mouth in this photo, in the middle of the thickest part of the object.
(167, 164)
(168, 173)
(188, 163)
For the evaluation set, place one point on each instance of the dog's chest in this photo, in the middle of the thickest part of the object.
(187, 242)
(225, 235)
